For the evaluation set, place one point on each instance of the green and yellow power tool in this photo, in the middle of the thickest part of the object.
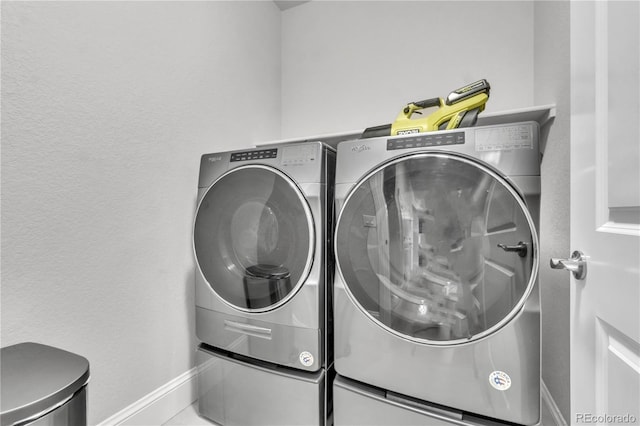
(460, 109)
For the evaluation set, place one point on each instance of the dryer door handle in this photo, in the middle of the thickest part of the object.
(252, 330)
(520, 248)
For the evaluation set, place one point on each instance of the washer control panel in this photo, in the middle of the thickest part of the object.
(426, 140)
(299, 154)
(503, 138)
(256, 154)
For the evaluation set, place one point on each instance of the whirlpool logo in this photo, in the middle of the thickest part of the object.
(361, 148)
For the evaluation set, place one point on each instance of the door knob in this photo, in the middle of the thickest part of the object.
(577, 264)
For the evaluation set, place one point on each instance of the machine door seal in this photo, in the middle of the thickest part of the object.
(254, 238)
(437, 248)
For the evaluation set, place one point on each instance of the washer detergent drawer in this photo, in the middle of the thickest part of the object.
(234, 392)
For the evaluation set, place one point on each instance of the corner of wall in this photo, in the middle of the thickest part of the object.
(551, 85)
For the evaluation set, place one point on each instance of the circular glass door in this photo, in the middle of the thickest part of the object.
(253, 238)
(436, 248)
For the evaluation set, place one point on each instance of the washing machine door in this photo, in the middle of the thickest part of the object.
(254, 238)
(437, 248)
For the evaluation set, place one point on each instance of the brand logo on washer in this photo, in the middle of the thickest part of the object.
(500, 380)
(212, 159)
(306, 359)
(360, 148)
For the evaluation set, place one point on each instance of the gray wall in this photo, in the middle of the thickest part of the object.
(552, 83)
(354, 64)
(106, 109)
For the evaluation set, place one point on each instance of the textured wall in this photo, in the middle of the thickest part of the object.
(106, 109)
(552, 83)
(350, 65)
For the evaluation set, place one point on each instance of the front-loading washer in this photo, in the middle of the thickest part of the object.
(261, 240)
(436, 301)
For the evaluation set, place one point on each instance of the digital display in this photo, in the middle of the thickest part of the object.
(298, 155)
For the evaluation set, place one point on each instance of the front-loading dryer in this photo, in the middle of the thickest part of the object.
(436, 300)
(261, 240)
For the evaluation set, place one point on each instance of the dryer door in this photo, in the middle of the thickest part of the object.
(254, 238)
(437, 248)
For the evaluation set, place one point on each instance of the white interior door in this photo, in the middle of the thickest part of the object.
(605, 211)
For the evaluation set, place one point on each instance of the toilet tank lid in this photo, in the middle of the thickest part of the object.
(37, 378)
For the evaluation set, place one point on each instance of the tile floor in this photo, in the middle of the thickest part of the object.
(188, 417)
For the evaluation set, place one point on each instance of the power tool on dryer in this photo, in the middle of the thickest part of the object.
(460, 109)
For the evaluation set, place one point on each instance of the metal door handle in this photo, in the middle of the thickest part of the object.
(520, 248)
(577, 264)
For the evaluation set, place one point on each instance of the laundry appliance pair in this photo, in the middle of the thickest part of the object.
(261, 237)
(433, 314)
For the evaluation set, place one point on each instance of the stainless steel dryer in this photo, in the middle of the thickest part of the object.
(261, 242)
(436, 299)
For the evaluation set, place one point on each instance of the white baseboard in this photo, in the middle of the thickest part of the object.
(551, 406)
(160, 405)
